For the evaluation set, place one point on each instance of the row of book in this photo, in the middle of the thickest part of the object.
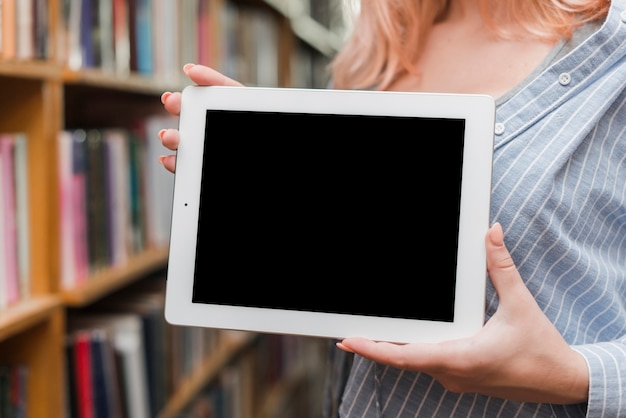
(157, 37)
(279, 376)
(124, 360)
(13, 390)
(115, 198)
(24, 29)
(14, 223)
(149, 37)
(249, 44)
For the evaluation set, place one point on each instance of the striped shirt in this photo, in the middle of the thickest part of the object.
(559, 191)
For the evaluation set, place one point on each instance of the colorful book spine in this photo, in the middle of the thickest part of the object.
(7, 176)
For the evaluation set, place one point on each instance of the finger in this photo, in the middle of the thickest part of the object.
(207, 76)
(169, 162)
(170, 138)
(502, 270)
(402, 356)
(171, 102)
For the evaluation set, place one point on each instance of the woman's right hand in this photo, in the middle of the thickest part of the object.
(201, 75)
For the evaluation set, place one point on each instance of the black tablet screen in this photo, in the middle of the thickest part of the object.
(330, 213)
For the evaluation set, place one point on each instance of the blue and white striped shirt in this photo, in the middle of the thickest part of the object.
(559, 191)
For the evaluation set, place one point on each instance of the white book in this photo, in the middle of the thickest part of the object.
(74, 50)
(66, 212)
(118, 164)
(25, 47)
(106, 31)
(22, 213)
(159, 182)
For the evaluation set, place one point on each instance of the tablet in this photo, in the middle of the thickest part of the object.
(331, 213)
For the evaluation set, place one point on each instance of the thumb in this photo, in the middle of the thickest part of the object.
(500, 265)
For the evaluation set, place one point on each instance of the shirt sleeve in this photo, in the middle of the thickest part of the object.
(607, 378)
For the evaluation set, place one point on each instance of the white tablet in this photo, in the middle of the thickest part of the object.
(331, 213)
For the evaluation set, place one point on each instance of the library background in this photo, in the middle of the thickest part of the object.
(84, 207)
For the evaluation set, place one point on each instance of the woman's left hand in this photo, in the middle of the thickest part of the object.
(518, 355)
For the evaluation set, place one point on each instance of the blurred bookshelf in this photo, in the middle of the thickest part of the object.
(84, 214)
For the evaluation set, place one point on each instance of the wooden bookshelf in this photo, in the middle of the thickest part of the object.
(56, 89)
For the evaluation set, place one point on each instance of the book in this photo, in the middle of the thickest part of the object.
(105, 35)
(71, 398)
(5, 391)
(9, 30)
(137, 185)
(22, 212)
(143, 14)
(188, 32)
(97, 220)
(72, 173)
(106, 384)
(128, 344)
(205, 34)
(159, 182)
(4, 300)
(19, 390)
(9, 229)
(13, 390)
(67, 238)
(166, 39)
(88, 26)
(74, 34)
(40, 31)
(80, 205)
(121, 37)
(117, 190)
(25, 44)
(148, 305)
(82, 374)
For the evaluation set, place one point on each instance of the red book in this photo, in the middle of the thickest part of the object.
(82, 359)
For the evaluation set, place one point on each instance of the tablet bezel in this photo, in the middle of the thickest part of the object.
(478, 111)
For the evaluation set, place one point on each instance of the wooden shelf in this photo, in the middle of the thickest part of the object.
(26, 314)
(112, 279)
(47, 96)
(30, 69)
(127, 83)
(205, 372)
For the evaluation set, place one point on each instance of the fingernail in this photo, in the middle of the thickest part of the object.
(161, 133)
(162, 159)
(187, 67)
(165, 96)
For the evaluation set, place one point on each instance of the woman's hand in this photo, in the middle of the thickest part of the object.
(518, 355)
(201, 75)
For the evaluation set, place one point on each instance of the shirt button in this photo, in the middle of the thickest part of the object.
(564, 79)
(623, 16)
(499, 128)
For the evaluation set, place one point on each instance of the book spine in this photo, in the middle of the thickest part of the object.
(143, 35)
(9, 29)
(25, 45)
(121, 37)
(41, 38)
(86, 33)
(79, 204)
(9, 219)
(67, 236)
(84, 387)
(22, 213)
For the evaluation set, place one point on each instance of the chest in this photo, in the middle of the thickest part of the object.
(472, 61)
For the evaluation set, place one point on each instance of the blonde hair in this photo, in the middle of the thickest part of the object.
(389, 35)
